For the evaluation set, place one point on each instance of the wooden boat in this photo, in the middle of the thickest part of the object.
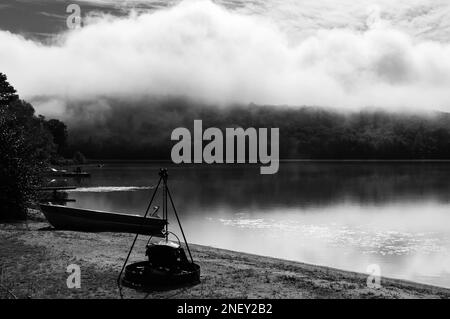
(68, 218)
(53, 172)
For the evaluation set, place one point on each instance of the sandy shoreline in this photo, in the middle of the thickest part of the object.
(34, 258)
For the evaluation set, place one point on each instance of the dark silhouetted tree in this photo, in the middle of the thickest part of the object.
(25, 148)
(7, 93)
(79, 158)
(59, 132)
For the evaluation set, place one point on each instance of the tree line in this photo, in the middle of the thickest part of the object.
(29, 143)
(141, 130)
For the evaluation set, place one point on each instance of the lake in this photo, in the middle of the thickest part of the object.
(346, 215)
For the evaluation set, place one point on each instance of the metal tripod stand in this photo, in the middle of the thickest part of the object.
(166, 195)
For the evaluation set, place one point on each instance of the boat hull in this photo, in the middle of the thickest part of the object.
(68, 218)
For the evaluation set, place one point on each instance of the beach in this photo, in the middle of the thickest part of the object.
(34, 260)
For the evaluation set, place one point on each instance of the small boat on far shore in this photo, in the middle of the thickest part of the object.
(53, 172)
(77, 219)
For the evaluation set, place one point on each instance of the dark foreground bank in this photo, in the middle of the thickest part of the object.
(34, 260)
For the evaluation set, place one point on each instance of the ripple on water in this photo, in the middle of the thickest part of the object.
(366, 240)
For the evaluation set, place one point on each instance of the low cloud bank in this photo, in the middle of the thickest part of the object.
(204, 52)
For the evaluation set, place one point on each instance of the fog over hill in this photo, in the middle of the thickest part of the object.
(215, 58)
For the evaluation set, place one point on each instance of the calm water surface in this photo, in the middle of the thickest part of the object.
(344, 215)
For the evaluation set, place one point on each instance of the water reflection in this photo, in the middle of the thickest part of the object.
(344, 215)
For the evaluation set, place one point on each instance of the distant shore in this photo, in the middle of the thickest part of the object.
(34, 258)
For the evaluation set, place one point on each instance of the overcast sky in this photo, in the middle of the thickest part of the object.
(345, 54)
